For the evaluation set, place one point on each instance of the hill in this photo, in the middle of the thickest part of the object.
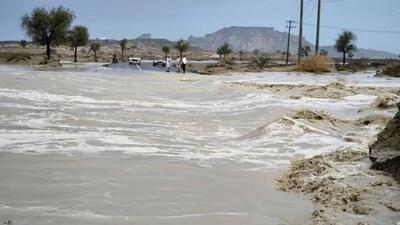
(362, 53)
(265, 39)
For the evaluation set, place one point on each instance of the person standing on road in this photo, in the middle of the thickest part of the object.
(178, 65)
(168, 63)
(184, 62)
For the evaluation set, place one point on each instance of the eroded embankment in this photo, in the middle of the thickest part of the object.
(342, 185)
(344, 189)
(385, 152)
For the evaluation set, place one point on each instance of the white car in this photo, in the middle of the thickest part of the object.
(158, 60)
(134, 60)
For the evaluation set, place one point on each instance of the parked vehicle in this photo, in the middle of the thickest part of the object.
(134, 60)
(159, 60)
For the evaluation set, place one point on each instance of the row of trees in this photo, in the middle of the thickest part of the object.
(53, 27)
(181, 46)
(48, 27)
(344, 44)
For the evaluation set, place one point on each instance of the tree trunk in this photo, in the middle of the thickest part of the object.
(123, 57)
(48, 52)
(75, 53)
(181, 55)
(95, 56)
(344, 58)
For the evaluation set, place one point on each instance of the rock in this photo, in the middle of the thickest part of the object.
(362, 223)
(386, 100)
(385, 152)
(393, 205)
(362, 209)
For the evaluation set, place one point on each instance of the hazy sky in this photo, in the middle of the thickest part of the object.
(175, 19)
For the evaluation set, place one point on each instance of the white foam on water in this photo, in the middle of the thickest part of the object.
(203, 215)
(48, 210)
(366, 79)
(141, 122)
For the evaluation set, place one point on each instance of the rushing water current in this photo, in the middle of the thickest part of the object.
(118, 146)
(92, 109)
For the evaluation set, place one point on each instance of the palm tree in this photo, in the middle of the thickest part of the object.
(182, 46)
(123, 44)
(95, 47)
(345, 44)
(224, 50)
(166, 50)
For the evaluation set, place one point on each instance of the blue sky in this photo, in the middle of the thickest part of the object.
(176, 19)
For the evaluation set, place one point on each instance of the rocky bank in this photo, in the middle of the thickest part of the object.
(385, 152)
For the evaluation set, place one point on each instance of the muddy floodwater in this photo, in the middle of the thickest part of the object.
(93, 145)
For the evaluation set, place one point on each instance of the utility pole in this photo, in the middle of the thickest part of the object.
(301, 30)
(318, 28)
(290, 26)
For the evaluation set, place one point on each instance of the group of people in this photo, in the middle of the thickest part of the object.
(180, 64)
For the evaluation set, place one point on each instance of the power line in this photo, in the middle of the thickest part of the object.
(289, 26)
(312, 10)
(355, 29)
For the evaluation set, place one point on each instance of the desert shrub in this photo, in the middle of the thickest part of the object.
(229, 67)
(17, 57)
(378, 64)
(393, 71)
(230, 61)
(316, 64)
(355, 65)
(212, 65)
(260, 61)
